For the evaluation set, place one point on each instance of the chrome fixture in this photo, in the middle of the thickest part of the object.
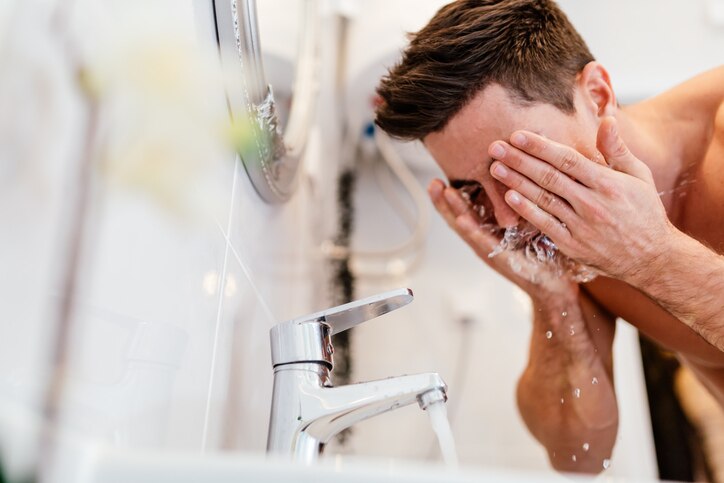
(307, 411)
(273, 160)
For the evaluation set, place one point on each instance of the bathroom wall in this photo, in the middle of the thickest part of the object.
(650, 46)
(183, 268)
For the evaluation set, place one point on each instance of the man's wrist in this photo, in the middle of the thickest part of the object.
(653, 262)
(555, 300)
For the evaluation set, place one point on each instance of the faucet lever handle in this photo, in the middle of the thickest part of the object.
(307, 339)
(346, 316)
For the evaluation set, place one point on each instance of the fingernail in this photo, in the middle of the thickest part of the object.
(519, 139)
(497, 150)
(513, 197)
(434, 187)
(499, 170)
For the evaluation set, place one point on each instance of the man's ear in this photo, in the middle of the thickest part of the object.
(595, 85)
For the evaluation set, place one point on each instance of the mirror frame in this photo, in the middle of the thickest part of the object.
(273, 159)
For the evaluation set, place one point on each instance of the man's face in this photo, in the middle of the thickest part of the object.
(461, 149)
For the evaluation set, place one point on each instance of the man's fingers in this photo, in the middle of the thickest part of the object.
(616, 152)
(543, 198)
(460, 218)
(449, 203)
(482, 241)
(456, 202)
(436, 190)
(564, 158)
(545, 222)
(539, 172)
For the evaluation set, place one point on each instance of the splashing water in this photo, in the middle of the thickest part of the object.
(679, 187)
(537, 249)
(441, 426)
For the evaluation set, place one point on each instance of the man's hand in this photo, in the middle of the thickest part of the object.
(610, 218)
(468, 225)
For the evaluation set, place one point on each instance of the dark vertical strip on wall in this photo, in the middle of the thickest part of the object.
(343, 278)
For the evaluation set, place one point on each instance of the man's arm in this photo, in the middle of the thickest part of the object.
(566, 394)
(687, 279)
(614, 221)
(570, 352)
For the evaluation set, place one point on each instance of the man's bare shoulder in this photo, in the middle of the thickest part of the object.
(703, 198)
(696, 98)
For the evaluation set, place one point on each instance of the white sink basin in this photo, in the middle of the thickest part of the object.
(138, 467)
(83, 460)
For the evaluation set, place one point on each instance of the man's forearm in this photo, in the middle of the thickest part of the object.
(687, 279)
(565, 395)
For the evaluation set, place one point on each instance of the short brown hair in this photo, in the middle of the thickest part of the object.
(527, 46)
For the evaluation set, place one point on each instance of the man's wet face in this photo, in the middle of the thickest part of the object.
(461, 150)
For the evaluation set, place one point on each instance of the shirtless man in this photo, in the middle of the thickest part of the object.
(520, 117)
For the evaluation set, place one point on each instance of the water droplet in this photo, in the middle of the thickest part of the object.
(577, 392)
(561, 400)
(606, 463)
(564, 313)
(573, 457)
(586, 446)
(594, 381)
(549, 334)
(573, 332)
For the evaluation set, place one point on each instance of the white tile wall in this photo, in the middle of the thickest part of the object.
(171, 344)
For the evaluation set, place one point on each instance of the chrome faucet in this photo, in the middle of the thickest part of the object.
(307, 411)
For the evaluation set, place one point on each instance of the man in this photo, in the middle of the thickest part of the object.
(522, 120)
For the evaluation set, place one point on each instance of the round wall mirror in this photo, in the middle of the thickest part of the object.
(274, 152)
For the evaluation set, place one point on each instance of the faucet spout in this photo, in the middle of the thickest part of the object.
(342, 407)
(305, 419)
